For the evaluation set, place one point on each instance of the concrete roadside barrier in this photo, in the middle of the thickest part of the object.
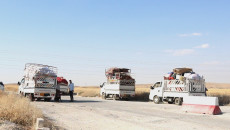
(202, 105)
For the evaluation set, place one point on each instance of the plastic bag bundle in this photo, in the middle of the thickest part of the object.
(186, 75)
(46, 71)
(194, 77)
(31, 72)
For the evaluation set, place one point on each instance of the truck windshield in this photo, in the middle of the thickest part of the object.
(156, 85)
(23, 81)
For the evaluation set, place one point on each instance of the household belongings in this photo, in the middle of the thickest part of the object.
(118, 73)
(182, 70)
(182, 74)
(61, 80)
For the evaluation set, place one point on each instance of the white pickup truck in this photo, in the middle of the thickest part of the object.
(119, 85)
(39, 82)
(173, 91)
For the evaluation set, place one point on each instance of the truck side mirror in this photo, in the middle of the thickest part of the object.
(151, 87)
(101, 86)
(19, 83)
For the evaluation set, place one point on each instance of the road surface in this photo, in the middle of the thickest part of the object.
(97, 114)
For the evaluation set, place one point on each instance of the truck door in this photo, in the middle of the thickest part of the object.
(22, 84)
(158, 89)
(102, 88)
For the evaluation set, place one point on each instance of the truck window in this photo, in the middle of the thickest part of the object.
(23, 81)
(156, 85)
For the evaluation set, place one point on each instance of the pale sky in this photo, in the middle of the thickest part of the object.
(83, 38)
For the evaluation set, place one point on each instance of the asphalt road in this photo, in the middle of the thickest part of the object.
(97, 114)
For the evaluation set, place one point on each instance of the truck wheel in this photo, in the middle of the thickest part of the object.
(115, 97)
(30, 96)
(156, 99)
(170, 102)
(47, 99)
(126, 99)
(103, 96)
(178, 101)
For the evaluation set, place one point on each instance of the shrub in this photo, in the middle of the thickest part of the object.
(18, 110)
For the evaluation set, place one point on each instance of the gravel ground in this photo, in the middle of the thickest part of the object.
(7, 125)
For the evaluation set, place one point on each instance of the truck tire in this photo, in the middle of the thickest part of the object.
(38, 99)
(170, 102)
(127, 99)
(156, 99)
(48, 99)
(115, 97)
(178, 101)
(103, 96)
(30, 96)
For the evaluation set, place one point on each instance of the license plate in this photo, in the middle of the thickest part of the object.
(44, 94)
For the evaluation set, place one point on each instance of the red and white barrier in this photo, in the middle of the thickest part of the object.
(202, 105)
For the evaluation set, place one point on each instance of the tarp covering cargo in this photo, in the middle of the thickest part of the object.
(32, 70)
(182, 70)
(61, 80)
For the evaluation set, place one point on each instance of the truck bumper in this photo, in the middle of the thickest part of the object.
(127, 94)
(42, 93)
(197, 94)
(63, 90)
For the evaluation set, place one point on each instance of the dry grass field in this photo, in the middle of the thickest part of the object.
(89, 91)
(217, 86)
(222, 94)
(18, 110)
(11, 87)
